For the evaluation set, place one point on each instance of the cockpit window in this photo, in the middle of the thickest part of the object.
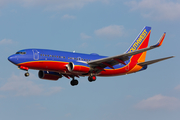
(22, 52)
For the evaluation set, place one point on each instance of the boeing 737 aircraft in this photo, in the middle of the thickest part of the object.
(53, 64)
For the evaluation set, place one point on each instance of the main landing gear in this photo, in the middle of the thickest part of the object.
(74, 82)
(92, 78)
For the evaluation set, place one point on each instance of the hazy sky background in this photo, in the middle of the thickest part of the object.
(106, 27)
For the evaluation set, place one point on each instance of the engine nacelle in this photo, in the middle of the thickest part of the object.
(78, 67)
(49, 75)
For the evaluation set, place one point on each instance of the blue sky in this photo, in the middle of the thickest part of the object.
(106, 27)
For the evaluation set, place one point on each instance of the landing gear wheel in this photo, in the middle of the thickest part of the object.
(26, 74)
(74, 82)
(92, 78)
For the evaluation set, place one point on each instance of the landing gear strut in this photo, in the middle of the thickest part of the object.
(26, 74)
(74, 82)
(24, 68)
(92, 78)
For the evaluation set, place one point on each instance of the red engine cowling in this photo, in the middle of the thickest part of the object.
(78, 67)
(49, 75)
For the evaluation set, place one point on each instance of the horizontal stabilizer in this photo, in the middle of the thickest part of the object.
(153, 61)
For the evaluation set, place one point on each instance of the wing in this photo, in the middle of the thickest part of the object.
(100, 64)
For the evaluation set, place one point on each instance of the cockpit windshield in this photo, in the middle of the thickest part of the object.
(22, 52)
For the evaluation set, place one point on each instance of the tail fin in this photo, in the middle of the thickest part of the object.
(140, 42)
(142, 38)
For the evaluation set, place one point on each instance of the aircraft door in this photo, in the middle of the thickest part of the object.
(35, 55)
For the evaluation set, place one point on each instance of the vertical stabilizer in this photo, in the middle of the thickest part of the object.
(140, 42)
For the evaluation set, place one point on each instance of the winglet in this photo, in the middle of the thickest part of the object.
(160, 40)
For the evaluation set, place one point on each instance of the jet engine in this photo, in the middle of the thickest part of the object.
(78, 67)
(49, 75)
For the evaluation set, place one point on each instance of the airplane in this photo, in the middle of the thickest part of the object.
(53, 64)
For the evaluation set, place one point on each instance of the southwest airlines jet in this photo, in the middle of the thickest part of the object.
(53, 64)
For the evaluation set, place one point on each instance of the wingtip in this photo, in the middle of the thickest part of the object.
(161, 40)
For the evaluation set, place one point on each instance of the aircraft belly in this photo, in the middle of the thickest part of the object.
(46, 65)
(129, 68)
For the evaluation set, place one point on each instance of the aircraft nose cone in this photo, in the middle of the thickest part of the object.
(13, 59)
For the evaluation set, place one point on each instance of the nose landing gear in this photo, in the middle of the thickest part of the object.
(26, 74)
(26, 69)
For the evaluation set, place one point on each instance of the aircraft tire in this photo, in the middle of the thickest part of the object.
(74, 82)
(26, 74)
(92, 78)
(89, 79)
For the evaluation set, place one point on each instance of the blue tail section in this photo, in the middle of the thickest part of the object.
(137, 44)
